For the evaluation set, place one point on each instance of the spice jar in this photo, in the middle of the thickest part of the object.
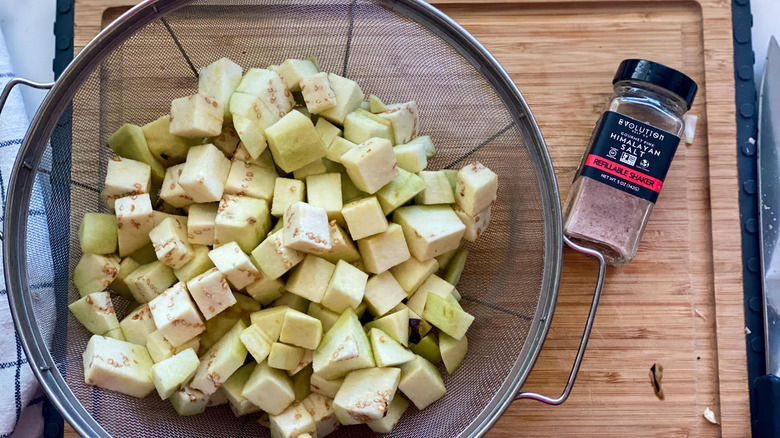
(627, 158)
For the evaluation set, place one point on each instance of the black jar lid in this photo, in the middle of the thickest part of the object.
(659, 75)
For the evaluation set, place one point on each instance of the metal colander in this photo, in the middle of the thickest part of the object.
(399, 50)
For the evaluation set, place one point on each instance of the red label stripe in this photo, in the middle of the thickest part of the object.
(624, 173)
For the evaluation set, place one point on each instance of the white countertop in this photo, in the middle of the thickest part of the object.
(28, 29)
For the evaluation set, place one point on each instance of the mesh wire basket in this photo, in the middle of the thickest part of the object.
(399, 50)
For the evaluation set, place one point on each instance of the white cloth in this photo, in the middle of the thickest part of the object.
(20, 396)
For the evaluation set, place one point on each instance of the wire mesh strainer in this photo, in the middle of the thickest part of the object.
(399, 50)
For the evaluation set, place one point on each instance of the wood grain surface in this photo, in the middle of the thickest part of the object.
(679, 302)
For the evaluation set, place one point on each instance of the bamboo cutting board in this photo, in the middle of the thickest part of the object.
(679, 302)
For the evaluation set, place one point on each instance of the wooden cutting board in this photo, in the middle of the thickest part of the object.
(679, 302)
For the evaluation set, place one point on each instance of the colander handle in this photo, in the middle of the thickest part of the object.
(585, 334)
(16, 81)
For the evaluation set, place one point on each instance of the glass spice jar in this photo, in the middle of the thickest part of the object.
(627, 158)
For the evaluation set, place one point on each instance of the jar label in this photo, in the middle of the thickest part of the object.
(629, 155)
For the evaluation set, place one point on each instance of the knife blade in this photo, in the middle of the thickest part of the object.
(769, 191)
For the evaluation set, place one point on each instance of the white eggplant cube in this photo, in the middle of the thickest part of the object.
(366, 395)
(94, 273)
(432, 285)
(170, 374)
(345, 289)
(176, 316)
(437, 189)
(294, 422)
(257, 342)
(320, 408)
(95, 312)
(310, 278)
(405, 120)
(323, 386)
(242, 220)
(171, 244)
(118, 366)
(247, 179)
(394, 413)
(196, 116)
(430, 230)
(220, 361)
(286, 193)
(293, 71)
(205, 173)
(172, 192)
(160, 349)
(301, 330)
(324, 191)
(211, 293)
(421, 382)
(475, 225)
(412, 273)
(364, 218)
(371, 165)
(349, 96)
(125, 177)
(328, 131)
(476, 188)
(273, 258)
(306, 228)
(265, 289)
(316, 167)
(235, 265)
(218, 80)
(138, 324)
(269, 389)
(384, 250)
(318, 93)
(201, 222)
(134, 220)
(411, 157)
(383, 293)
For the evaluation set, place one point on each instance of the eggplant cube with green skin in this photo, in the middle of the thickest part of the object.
(129, 142)
(172, 192)
(251, 116)
(94, 273)
(344, 348)
(150, 280)
(366, 395)
(411, 157)
(371, 165)
(138, 324)
(475, 225)
(220, 361)
(345, 288)
(294, 142)
(171, 243)
(364, 218)
(399, 191)
(428, 347)
(432, 285)
(196, 116)
(174, 372)
(247, 179)
(293, 71)
(397, 408)
(387, 351)
(446, 315)
(201, 223)
(205, 173)
(361, 125)
(375, 104)
(199, 264)
(270, 321)
(235, 265)
(384, 250)
(218, 80)
(323, 386)
(175, 315)
(476, 188)
(318, 93)
(170, 149)
(349, 191)
(338, 147)
(269, 389)
(269, 87)
(125, 177)
(320, 408)
(326, 316)
(242, 220)
(274, 258)
(453, 351)
(310, 278)
(285, 357)
(306, 228)
(349, 96)
(256, 342)
(430, 230)
(286, 193)
(98, 233)
(134, 221)
(437, 189)
(292, 301)
(118, 286)
(95, 312)
(265, 290)
(427, 143)
(160, 349)
(293, 422)
(211, 293)
(412, 273)
(316, 167)
(405, 121)
(301, 330)
(383, 293)
(118, 366)
(421, 382)
(324, 191)
(115, 334)
(232, 389)
(189, 401)
(328, 131)
(395, 324)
